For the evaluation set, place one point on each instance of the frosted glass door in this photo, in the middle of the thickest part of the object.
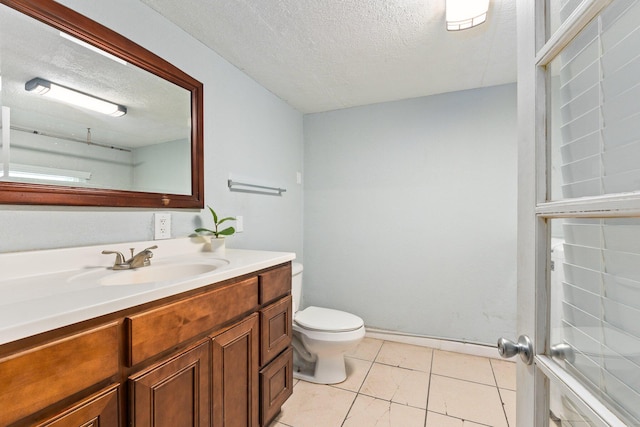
(579, 212)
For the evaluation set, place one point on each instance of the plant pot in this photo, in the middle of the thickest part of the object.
(214, 244)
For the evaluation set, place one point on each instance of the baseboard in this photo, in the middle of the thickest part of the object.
(437, 343)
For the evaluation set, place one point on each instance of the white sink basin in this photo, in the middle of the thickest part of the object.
(153, 273)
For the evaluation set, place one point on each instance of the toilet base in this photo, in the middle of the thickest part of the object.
(326, 370)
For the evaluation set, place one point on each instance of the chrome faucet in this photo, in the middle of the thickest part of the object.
(141, 259)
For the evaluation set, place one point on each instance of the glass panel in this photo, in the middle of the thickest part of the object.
(558, 11)
(594, 119)
(564, 412)
(595, 307)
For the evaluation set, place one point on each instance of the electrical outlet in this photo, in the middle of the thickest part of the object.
(162, 225)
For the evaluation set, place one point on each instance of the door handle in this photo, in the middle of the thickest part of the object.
(524, 347)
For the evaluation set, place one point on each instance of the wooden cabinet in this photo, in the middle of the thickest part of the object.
(219, 355)
(275, 329)
(276, 358)
(159, 329)
(45, 374)
(175, 392)
(276, 385)
(99, 410)
(235, 375)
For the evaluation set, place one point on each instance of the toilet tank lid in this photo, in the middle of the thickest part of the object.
(328, 320)
(296, 268)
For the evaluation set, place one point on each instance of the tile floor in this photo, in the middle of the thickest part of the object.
(392, 384)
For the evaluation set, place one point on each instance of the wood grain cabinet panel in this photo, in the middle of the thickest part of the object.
(235, 375)
(275, 283)
(98, 410)
(276, 385)
(174, 393)
(275, 329)
(39, 377)
(156, 330)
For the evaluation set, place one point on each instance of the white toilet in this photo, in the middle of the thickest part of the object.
(321, 337)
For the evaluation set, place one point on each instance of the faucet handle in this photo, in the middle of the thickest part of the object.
(119, 256)
(148, 255)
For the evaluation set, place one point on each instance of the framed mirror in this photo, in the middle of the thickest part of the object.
(89, 118)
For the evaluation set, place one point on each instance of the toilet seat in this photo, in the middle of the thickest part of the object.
(327, 320)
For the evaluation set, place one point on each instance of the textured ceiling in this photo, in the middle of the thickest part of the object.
(321, 55)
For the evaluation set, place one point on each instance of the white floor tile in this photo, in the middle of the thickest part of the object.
(397, 385)
(463, 366)
(505, 373)
(407, 386)
(466, 400)
(405, 356)
(367, 349)
(372, 412)
(314, 405)
(438, 420)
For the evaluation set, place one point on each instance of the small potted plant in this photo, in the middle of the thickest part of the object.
(217, 235)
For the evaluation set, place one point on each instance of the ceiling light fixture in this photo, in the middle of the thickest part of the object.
(464, 14)
(71, 96)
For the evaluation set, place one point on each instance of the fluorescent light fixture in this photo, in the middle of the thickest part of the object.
(92, 48)
(43, 173)
(464, 14)
(70, 96)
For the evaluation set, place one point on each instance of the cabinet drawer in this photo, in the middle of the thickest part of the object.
(100, 409)
(276, 385)
(160, 329)
(275, 283)
(275, 329)
(39, 377)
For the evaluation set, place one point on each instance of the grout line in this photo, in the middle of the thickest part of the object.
(426, 412)
(504, 411)
(461, 419)
(361, 384)
(465, 380)
(431, 374)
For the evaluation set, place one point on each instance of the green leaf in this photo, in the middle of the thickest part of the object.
(198, 230)
(227, 231)
(213, 213)
(229, 218)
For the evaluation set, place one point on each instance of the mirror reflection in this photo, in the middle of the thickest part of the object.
(73, 115)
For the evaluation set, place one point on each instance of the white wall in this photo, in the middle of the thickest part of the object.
(154, 167)
(247, 130)
(107, 167)
(410, 214)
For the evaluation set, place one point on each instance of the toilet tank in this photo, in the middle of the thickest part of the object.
(296, 284)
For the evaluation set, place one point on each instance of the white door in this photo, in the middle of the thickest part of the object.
(579, 212)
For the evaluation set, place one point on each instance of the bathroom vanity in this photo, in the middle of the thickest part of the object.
(211, 348)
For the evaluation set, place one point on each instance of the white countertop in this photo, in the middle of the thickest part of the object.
(44, 290)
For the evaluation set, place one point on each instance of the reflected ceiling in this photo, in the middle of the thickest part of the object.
(31, 49)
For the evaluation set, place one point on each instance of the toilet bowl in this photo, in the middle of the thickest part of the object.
(321, 337)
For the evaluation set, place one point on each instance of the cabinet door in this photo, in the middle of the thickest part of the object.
(99, 410)
(276, 385)
(275, 329)
(175, 392)
(235, 375)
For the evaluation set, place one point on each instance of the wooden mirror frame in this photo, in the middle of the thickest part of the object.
(83, 28)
